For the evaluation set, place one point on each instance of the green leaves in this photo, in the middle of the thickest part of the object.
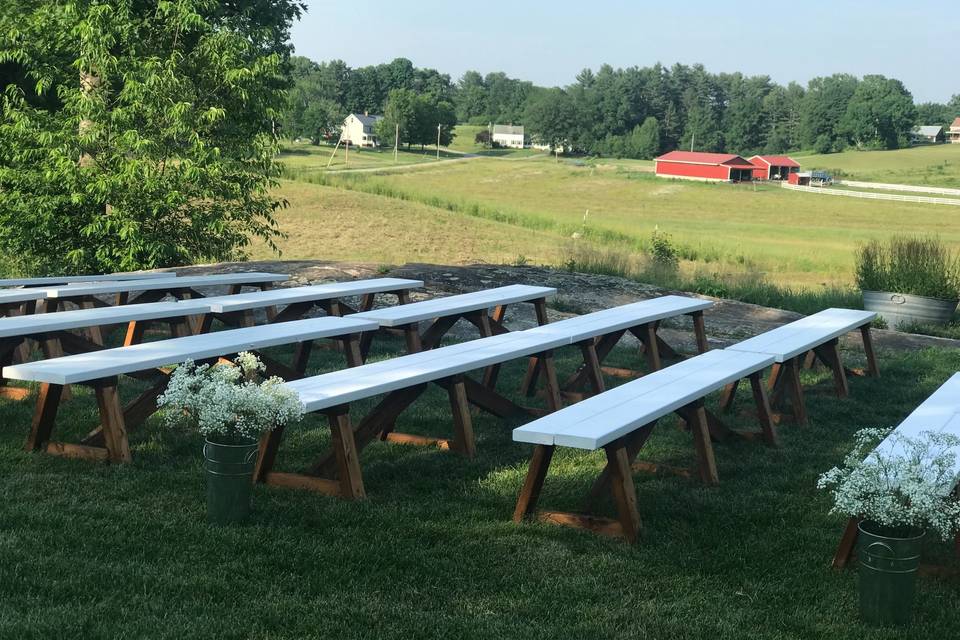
(137, 135)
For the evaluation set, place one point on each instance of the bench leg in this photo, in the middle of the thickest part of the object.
(728, 395)
(764, 413)
(830, 353)
(463, 438)
(483, 323)
(554, 403)
(44, 416)
(624, 492)
(795, 389)
(267, 454)
(528, 387)
(592, 366)
(695, 415)
(433, 334)
(346, 453)
(111, 419)
(649, 340)
(699, 330)
(635, 442)
(602, 348)
(847, 543)
(872, 368)
(533, 483)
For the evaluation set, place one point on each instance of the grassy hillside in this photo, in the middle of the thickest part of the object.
(332, 224)
(793, 238)
(937, 165)
(303, 156)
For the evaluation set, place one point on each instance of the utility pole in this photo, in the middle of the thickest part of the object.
(693, 138)
(438, 141)
(396, 143)
(346, 152)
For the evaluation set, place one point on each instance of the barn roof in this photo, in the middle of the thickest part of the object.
(366, 119)
(956, 124)
(776, 161)
(703, 157)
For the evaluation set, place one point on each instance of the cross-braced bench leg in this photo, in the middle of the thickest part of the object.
(601, 348)
(9, 348)
(785, 380)
(872, 368)
(700, 332)
(829, 354)
(621, 487)
(44, 416)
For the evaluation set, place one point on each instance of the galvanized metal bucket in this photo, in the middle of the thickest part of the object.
(904, 309)
(229, 477)
(888, 575)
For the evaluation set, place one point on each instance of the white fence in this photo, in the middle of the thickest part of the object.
(868, 195)
(943, 191)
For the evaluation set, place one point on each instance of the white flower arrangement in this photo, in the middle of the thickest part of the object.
(906, 484)
(226, 402)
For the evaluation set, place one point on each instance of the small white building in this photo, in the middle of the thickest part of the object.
(927, 134)
(507, 135)
(360, 130)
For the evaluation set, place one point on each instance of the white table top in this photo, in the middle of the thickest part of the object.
(154, 284)
(290, 295)
(106, 277)
(798, 337)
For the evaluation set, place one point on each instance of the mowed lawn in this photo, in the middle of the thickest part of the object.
(304, 157)
(792, 238)
(93, 551)
(935, 165)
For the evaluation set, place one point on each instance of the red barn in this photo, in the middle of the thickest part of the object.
(774, 167)
(699, 165)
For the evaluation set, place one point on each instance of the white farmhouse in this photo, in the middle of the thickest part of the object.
(507, 135)
(359, 130)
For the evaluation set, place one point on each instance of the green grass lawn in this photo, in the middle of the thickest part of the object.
(123, 551)
(303, 157)
(794, 239)
(935, 165)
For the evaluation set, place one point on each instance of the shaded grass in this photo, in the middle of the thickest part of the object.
(123, 551)
(935, 165)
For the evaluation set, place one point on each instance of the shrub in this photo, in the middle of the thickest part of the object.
(920, 266)
(662, 251)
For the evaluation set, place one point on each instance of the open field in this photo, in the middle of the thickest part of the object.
(306, 157)
(935, 165)
(96, 551)
(792, 238)
(334, 224)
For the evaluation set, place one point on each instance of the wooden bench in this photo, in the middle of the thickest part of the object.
(101, 369)
(57, 332)
(939, 413)
(51, 281)
(795, 345)
(154, 289)
(621, 420)
(402, 380)
(445, 312)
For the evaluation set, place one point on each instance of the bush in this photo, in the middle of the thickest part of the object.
(662, 251)
(920, 266)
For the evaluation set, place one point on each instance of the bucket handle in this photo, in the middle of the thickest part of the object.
(250, 456)
(896, 298)
(881, 545)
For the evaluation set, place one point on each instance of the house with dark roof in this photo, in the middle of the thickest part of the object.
(699, 165)
(774, 167)
(359, 129)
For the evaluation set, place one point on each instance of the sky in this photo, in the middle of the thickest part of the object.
(550, 41)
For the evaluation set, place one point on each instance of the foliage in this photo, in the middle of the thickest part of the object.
(662, 250)
(226, 402)
(138, 135)
(483, 137)
(906, 483)
(414, 118)
(880, 114)
(920, 266)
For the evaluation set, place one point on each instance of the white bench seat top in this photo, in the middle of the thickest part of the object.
(340, 387)
(451, 305)
(939, 413)
(624, 317)
(290, 295)
(85, 367)
(152, 284)
(798, 337)
(15, 296)
(84, 318)
(603, 418)
(106, 277)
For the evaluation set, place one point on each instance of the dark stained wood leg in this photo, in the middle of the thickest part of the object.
(795, 389)
(830, 352)
(346, 453)
(533, 483)
(134, 333)
(267, 454)
(111, 419)
(351, 350)
(624, 493)
(872, 368)
(554, 402)
(301, 356)
(635, 442)
(528, 386)
(699, 330)
(592, 366)
(44, 416)
(491, 373)
(706, 463)
(411, 335)
(464, 441)
(728, 395)
(847, 543)
(764, 413)
(652, 350)
(540, 308)
(810, 360)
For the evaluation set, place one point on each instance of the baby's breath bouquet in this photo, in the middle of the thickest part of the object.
(903, 485)
(228, 404)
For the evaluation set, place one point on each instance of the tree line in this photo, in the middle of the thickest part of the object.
(634, 112)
